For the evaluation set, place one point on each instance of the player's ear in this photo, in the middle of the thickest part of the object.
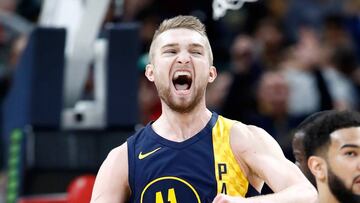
(149, 72)
(212, 74)
(318, 167)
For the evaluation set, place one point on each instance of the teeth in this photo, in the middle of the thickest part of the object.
(181, 73)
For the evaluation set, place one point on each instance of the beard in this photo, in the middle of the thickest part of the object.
(182, 106)
(339, 190)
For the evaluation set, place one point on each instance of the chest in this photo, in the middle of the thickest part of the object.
(166, 174)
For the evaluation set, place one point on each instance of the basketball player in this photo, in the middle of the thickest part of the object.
(332, 151)
(190, 154)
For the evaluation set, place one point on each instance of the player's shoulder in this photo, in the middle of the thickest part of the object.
(252, 138)
(112, 176)
(117, 153)
(246, 132)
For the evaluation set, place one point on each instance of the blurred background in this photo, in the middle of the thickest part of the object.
(72, 84)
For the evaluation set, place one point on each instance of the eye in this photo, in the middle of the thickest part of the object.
(169, 51)
(351, 154)
(196, 52)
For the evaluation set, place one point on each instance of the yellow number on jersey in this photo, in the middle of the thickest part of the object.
(171, 196)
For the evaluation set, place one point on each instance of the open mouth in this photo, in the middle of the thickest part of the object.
(357, 180)
(182, 80)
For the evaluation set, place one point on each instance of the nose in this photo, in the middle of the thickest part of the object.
(183, 58)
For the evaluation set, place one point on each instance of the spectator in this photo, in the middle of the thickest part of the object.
(304, 73)
(239, 102)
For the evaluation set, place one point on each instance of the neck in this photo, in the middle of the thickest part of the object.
(325, 195)
(177, 126)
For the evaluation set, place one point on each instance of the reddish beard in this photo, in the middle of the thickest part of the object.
(182, 106)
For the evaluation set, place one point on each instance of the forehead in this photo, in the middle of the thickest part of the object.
(180, 36)
(345, 136)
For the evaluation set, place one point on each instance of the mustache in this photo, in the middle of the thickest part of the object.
(182, 66)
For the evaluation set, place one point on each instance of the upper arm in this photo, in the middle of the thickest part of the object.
(263, 157)
(111, 184)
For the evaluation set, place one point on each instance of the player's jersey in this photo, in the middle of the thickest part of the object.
(192, 171)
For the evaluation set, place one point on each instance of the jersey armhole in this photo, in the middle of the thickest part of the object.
(131, 166)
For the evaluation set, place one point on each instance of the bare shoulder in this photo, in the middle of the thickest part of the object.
(253, 147)
(119, 152)
(116, 161)
(252, 139)
(111, 183)
(262, 157)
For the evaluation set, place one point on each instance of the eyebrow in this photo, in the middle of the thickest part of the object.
(169, 45)
(176, 44)
(350, 145)
(196, 45)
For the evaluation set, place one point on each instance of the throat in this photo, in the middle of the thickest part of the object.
(182, 137)
(181, 127)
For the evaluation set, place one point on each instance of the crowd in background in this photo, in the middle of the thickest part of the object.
(278, 61)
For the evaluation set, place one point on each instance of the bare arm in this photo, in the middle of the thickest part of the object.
(262, 159)
(111, 184)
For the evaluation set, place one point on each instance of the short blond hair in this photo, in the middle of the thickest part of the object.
(187, 22)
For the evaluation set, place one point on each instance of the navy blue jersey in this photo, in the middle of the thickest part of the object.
(192, 171)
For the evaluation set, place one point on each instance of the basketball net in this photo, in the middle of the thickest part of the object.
(221, 6)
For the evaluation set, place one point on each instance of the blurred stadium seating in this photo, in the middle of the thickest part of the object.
(43, 157)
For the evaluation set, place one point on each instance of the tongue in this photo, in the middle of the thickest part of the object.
(181, 87)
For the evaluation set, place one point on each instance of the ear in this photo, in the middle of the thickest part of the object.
(212, 74)
(149, 72)
(318, 167)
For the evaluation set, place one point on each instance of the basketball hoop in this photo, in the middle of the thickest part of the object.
(221, 6)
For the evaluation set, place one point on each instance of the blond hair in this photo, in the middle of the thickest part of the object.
(187, 22)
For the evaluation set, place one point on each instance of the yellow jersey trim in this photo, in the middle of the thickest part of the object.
(229, 176)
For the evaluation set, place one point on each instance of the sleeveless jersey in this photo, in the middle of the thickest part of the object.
(192, 171)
